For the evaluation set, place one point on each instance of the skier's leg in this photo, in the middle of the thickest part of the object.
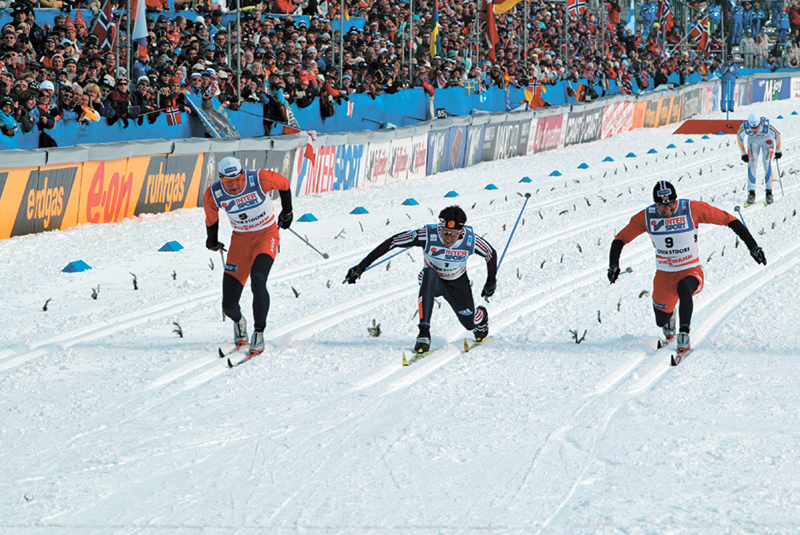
(258, 283)
(458, 295)
(766, 156)
(752, 167)
(430, 287)
(687, 287)
(231, 293)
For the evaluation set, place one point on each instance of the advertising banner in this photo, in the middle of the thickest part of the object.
(399, 160)
(474, 143)
(376, 164)
(795, 91)
(36, 200)
(584, 126)
(334, 168)
(549, 133)
(691, 103)
(419, 156)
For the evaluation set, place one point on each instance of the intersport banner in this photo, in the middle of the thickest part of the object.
(335, 168)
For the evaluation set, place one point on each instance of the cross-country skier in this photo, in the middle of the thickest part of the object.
(764, 140)
(244, 195)
(672, 224)
(446, 248)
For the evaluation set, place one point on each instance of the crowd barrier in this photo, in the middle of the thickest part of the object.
(47, 189)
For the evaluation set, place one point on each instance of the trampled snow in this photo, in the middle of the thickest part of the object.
(113, 423)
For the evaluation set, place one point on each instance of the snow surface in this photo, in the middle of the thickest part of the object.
(112, 423)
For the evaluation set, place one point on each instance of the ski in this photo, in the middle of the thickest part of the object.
(223, 354)
(247, 357)
(467, 347)
(677, 358)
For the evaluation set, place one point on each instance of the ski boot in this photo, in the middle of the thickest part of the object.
(769, 198)
(240, 333)
(423, 344)
(669, 328)
(257, 344)
(481, 330)
(683, 343)
(751, 198)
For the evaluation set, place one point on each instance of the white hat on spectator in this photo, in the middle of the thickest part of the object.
(47, 85)
(200, 20)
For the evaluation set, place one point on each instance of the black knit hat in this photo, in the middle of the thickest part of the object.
(452, 217)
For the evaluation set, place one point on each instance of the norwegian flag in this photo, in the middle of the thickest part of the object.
(576, 7)
(173, 116)
(664, 15)
(105, 29)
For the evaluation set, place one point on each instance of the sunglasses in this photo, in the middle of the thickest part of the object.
(451, 233)
(666, 204)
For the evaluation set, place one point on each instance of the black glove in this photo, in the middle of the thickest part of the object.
(613, 273)
(745, 158)
(778, 155)
(488, 289)
(285, 219)
(215, 246)
(353, 274)
(758, 255)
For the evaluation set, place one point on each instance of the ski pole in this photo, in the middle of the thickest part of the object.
(384, 260)
(778, 168)
(527, 197)
(739, 211)
(324, 255)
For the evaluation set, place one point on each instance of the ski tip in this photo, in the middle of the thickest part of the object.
(230, 364)
(672, 361)
(221, 353)
(405, 361)
(466, 345)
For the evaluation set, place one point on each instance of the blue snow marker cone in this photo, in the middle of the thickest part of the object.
(490, 186)
(410, 202)
(584, 165)
(525, 179)
(671, 146)
(608, 159)
(705, 137)
(652, 151)
(794, 113)
(76, 267)
(555, 173)
(451, 193)
(359, 210)
(171, 247)
(307, 218)
(690, 140)
(630, 155)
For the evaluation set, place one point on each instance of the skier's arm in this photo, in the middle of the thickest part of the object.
(410, 238)
(740, 135)
(777, 137)
(270, 180)
(635, 227)
(705, 213)
(212, 222)
(484, 249)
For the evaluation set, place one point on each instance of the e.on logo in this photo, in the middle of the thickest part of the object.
(105, 202)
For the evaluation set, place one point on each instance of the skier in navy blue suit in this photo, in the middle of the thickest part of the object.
(446, 247)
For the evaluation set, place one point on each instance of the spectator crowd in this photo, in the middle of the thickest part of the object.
(60, 73)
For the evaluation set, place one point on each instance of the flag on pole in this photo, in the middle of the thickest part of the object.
(631, 23)
(490, 30)
(105, 29)
(576, 7)
(139, 23)
(664, 15)
(436, 43)
(501, 6)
